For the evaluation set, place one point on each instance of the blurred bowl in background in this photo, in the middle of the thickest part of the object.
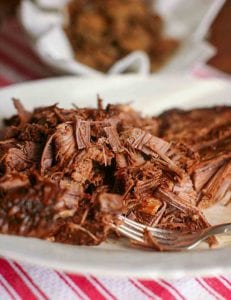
(188, 22)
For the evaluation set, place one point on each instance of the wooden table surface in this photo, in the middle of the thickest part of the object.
(220, 37)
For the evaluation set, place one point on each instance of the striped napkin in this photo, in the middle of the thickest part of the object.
(24, 281)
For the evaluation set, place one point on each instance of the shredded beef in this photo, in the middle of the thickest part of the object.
(66, 174)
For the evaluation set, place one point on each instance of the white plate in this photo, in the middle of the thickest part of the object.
(151, 95)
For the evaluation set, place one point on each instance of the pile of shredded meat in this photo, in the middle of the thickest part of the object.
(66, 174)
(102, 32)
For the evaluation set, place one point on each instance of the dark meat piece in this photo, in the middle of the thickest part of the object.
(111, 203)
(217, 187)
(208, 133)
(113, 139)
(176, 201)
(23, 115)
(47, 155)
(82, 134)
(203, 171)
(185, 190)
(153, 146)
(18, 156)
(32, 132)
(64, 142)
(35, 211)
(14, 180)
(93, 220)
(196, 126)
(73, 191)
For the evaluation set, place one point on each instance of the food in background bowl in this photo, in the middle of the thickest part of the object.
(102, 32)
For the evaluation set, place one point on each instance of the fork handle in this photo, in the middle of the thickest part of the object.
(218, 229)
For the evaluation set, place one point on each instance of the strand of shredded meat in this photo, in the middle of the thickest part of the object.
(65, 175)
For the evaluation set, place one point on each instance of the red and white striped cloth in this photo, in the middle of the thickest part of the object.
(23, 281)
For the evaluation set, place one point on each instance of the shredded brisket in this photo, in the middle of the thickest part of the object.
(65, 175)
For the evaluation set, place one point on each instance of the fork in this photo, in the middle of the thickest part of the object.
(169, 240)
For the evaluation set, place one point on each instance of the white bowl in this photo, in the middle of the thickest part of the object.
(187, 21)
